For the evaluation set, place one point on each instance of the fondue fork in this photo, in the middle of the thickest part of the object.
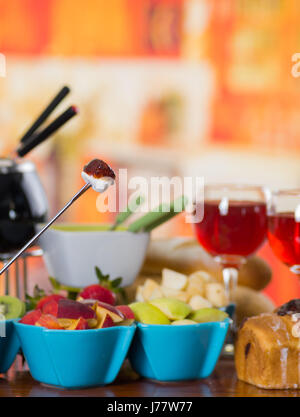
(98, 175)
(32, 240)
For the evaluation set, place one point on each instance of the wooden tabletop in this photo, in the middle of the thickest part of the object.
(222, 383)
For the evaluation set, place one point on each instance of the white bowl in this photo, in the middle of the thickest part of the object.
(71, 256)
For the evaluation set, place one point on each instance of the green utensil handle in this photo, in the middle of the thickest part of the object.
(158, 216)
(122, 217)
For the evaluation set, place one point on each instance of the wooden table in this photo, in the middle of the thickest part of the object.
(222, 383)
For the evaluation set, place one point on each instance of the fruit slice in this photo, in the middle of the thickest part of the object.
(48, 321)
(128, 314)
(31, 317)
(69, 309)
(45, 300)
(105, 321)
(50, 308)
(148, 314)
(173, 280)
(80, 324)
(205, 315)
(102, 309)
(197, 282)
(172, 308)
(170, 293)
(98, 292)
(151, 290)
(215, 293)
(200, 276)
(11, 307)
(65, 323)
(197, 302)
(183, 322)
(92, 323)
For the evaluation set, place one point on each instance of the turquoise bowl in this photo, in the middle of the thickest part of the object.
(9, 344)
(176, 353)
(75, 358)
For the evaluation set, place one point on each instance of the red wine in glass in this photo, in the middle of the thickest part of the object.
(240, 229)
(234, 226)
(284, 237)
(284, 227)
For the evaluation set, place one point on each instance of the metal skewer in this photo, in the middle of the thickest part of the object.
(76, 196)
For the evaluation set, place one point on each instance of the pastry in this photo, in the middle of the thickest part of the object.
(267, 349)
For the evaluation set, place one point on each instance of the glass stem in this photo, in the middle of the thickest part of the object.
(230, 277)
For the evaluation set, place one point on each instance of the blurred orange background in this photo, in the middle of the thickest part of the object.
(164, 87)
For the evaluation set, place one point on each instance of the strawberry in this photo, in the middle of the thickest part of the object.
(32, 317)
(47, 299)
(98, 292)
(51, 307)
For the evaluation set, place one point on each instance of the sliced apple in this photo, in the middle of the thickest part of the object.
(80, 324)
(128, 314)
(179, 295)
(205, 315)
(150, 287)
(139, 294)
(148, 314)
(183, 322)
(69, 309)
(215, 293)
(172, 308)
(197, 302)
(196, 284)
(104, 320)
(103, 308)
(174, 280)
(200, 276)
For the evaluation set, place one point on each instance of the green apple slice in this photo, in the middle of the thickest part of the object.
(174, 309)
(204, 315)
(148, 314)
(183, 322)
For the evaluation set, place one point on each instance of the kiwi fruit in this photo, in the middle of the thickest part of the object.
(11, 307)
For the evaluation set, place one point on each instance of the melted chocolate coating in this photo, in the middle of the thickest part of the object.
(98, 169)
(289, 308)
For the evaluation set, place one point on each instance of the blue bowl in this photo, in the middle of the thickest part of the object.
(9, 344)
(176, 353)
(75, 358)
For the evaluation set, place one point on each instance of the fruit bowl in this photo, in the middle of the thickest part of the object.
(9, 345)
(71, 253)
(75, 358)
(176, 353)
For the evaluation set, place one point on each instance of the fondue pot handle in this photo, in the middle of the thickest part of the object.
(46, 113)
(38, 138)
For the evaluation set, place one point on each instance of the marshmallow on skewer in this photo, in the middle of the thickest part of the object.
(99, 175)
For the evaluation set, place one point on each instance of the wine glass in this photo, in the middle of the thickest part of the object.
(284, 227)
(234, 226)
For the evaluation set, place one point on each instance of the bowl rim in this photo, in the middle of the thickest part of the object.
(144, 326)
(88, 331)
(88, 232)
(11, 320)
